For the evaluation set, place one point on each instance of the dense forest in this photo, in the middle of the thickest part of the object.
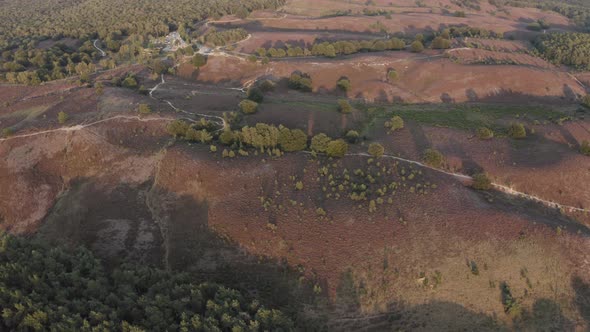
(572, 49)
(124, 28)
(577, 10)
(46, 288)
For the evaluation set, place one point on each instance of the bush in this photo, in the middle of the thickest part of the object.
(337, 148)
(129, 83)
(319, 143)
(292, 139)
(517, 131)
(586, 100)
(459, 14)
(177, 128)
(144, 109)
(7, 132)
(376, 150)
(300, 82)
(433, 158)
(267, 86)
(417, 46)
(344, 106)
(481, 181)
(248, 106)
(441, 43)
(484, 133)
(585, 148)
(227, 137)
(344, 84)
(352, 136)
(199, 60)
(62, 117)
(396, 123)
(256, 95)
(392, 75)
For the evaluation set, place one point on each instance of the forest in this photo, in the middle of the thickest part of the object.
(46, 288)
(572, 49)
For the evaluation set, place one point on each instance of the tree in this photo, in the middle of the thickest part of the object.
(129, 82)
(433, 158)
(300, 82)
(391, 75)
(517, 131)
(344, 106)
(352, 136)
(144, 109)
(199, 60)
(177, 128)
(227, 137)
(585, 148)
(376, 150)
(395, 123)
(485, 133)
(292, 139)
(299, 185)
(256, 95)
(441, 43)
(248, 106)
(319, 143)
(344, 84)
(417, 46)
(337, 148)
(586, 100)
(62, 117)
(481, 181)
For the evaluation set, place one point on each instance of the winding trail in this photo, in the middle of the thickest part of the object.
(102, 52)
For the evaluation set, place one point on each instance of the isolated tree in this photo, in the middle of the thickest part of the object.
(248, 106)
(177, 128)
(319, 143)
(337, 148)
(144, 109)
(344, 84)
(417, 46)
(255, 94)
(376, 150)
(344, 106)
(62, 117)
(352, 136)
(484, 133)
(199, 60)
(481, 181)
(433, 158)
(395, 123)
(517, 131)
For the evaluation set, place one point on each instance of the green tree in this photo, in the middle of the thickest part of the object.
(433, 158)
(517, 131)
(177, 128)
(391, 75)
(395, 123)
(417, 47)
(441, 43)
(586, 100)
(144, 109)
(376, 150)
(62, 117)
(484, 133)
(319, 143)
(248, 106)
(292, 139)
(344, 106)
(481, 181)
(337, 148)
(344, 84)
(227, 137)
(199, 60)
(255, 94)
(585, 148)
(352, 136)
(129, 82)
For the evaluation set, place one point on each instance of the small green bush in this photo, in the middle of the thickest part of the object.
(517, 131)
(481, 181)
(344, 106)
(485, 133)
(256, 95)
(433, 158)
(396, 123)
(144, 109)
(319, 143)
(62, 117)
(376, 150)
(586, 101)
(585, 148)
(248, 106)
(337, 148)
(392, 75)
(352, 136)
(417, 47)
(199, 60)
(344, 84)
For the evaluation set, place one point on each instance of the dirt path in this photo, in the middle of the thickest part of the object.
(102, 53)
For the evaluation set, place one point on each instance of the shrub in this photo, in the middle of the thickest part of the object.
(299, 185)
(459, 14)
(441, 43)
(199, 60)
(8, 131)
(484, 133)
(144, 109)
(481, 181)
(256, 95)
(585, 148)
(177, 128)
(227, 137)
(417, 46)
(267, 86)
(292, 139)
(62, 117)
(344, 84)
(586, 100)
(535, 26)
(129, 83)
(517, 131)
(248, 106)
(337, 148)
(433, 158)
(392, 75)
(395, 123)
(344, 106)
(319, 143)
(376, 150)
(352, 136)
(300, 82)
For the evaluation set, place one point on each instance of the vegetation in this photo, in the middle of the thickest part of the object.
(337, 148)
(433, 158)
(417, 46)
(62, 117)
(485, 133)
(344, 84)
(441, 43)
(256, 95)
(319, 143)
(344, 106)
(225, 37)
(352, 136)
(50, 288)
(292, 139)
(517, 131)
(330, 50)
(391, 75)
(199, 60)
(570, 48)
(481, 181)
(248, 106)
(144, 109)
(395, 123)
(376, 150)
(586, 101)
(300, 82)
(585, 148)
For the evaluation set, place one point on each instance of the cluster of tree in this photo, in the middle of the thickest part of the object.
(333, 49)
(570, 48)
(53, 289)
(267, 137)
(395, 123)
(577, 10)
(300, 81)
(222, 38)
(472, 4)
(195, 132)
